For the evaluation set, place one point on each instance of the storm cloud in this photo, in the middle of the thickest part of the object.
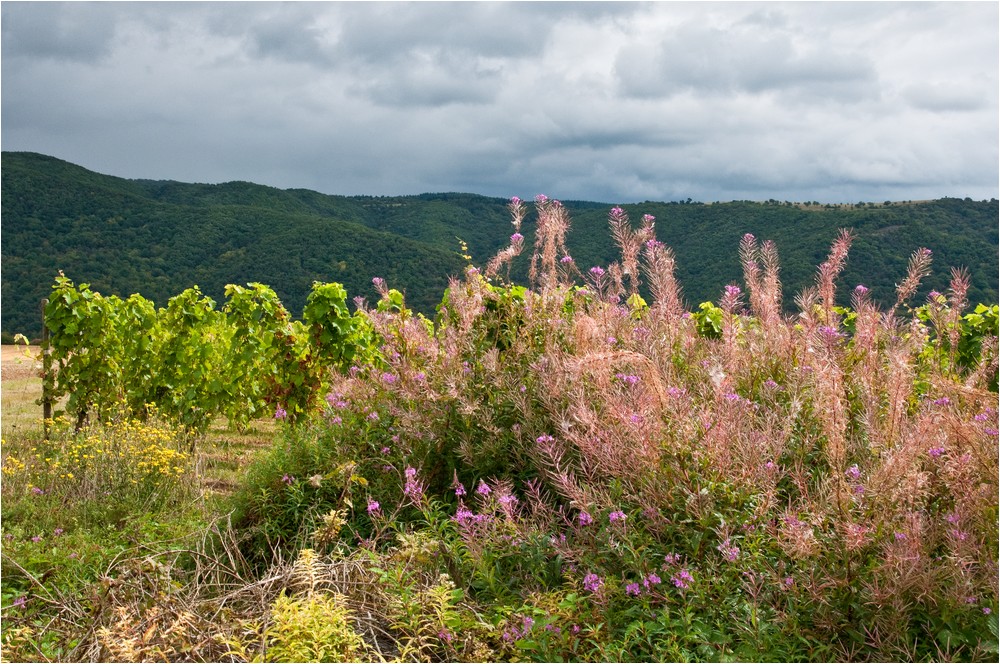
(615, 102)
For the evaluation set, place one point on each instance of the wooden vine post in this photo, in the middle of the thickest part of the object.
(46, 375)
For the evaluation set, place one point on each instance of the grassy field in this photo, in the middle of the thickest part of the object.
(219, 458)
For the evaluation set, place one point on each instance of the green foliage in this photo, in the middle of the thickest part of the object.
(708, 319)
(193, 362)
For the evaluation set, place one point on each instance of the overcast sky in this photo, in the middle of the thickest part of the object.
(612, 102)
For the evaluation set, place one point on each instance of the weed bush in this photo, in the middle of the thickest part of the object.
(606, 479)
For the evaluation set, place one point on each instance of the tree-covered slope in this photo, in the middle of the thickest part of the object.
(158, 238)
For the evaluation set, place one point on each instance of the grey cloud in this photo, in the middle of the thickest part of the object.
(722, 61)
(949, 96)
(59, 31)
(431, 78)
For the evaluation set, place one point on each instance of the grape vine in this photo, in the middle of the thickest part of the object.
(193, 362)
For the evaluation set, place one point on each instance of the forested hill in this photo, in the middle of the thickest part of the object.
(158, 238)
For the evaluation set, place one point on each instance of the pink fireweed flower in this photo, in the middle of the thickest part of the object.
(633, 589)
(730, 553)
(682, 579)
(935, 452)
(541, 199)
(566, 259)
(507, 499)
(288, 479)
(733, 290)
(58, 531)
(651, 580)
(516, 237)
(483, 489)
(280, 413)
(853, 473)
(943, 401)
(19, 602)
(617, 212)
(515, 201)
(616, 516)
(373, 416)
(37, 491)
(627, 379)
(460, 490)
(585, 519)
(672, 558)
(544, 438)
(648, 218)
(592, 583)
(389, 378)
(597, 271)
(373, 507)
(860, 289)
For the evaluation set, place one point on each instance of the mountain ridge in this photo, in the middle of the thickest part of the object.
(158, 237)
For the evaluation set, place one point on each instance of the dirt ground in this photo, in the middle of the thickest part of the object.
(15, 364)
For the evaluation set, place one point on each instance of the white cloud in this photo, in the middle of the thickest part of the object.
(613, 102)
